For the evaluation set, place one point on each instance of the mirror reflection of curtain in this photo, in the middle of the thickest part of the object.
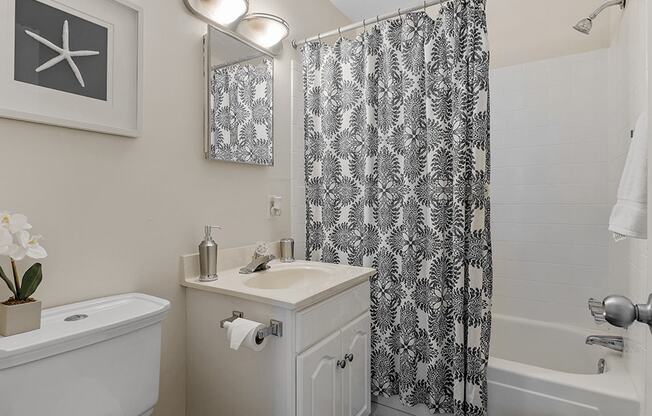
(241, 112)
(397, 178)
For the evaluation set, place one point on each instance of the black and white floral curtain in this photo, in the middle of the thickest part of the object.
(397, 178)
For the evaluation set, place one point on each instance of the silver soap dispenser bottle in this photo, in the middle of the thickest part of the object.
(208, 255)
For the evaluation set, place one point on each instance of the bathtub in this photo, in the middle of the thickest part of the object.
(543, 369)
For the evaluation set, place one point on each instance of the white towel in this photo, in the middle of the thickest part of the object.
(629, 215)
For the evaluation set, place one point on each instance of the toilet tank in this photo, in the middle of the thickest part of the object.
(94, 358)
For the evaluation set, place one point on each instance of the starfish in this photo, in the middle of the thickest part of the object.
(64, 53)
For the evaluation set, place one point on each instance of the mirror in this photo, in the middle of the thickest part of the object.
(240, 99)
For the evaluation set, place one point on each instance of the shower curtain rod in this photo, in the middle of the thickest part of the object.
(363, 23)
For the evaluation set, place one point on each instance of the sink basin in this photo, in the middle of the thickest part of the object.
(284, 277)
(291, 286)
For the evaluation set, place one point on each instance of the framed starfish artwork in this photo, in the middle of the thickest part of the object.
(80, 60)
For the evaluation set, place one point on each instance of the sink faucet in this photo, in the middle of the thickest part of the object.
(258, 263)
(607, 341)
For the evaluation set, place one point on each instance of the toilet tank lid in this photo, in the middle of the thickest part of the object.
(88, 322)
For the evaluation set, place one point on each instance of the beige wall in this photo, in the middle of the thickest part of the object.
(117, 212)
(531, 30)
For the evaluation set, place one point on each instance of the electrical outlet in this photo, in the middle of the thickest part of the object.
(275, 206)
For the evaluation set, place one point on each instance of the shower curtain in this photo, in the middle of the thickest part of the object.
(397, 176)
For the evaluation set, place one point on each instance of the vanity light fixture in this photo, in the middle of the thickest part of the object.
(223, 12)
(266, 30)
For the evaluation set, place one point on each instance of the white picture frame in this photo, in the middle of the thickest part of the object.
(121, 113)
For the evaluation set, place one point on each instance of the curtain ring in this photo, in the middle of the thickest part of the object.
(424, 6)
(399, 15)
(377, 19)
(364, 25)
(339, 30)
(319, 37)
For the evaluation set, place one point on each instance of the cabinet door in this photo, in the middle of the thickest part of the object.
(356, 345)
(319, 379)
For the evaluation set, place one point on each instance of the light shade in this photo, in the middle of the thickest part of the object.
(264, 29)
(223, 12)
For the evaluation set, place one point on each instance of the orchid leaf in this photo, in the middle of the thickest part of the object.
(31, 280)
(8, 282)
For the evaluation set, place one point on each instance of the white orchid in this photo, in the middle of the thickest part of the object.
(7, 245)
(17, 243)
(28, 246)
(15, 239)
(14, 222)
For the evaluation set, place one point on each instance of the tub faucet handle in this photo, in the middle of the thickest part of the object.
(597, 311)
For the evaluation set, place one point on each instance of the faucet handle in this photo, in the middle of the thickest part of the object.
(262, 250)
(597, 311)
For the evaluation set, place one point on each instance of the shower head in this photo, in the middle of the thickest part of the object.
(585, 25)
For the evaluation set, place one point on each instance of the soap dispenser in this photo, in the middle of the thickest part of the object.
(208, 255)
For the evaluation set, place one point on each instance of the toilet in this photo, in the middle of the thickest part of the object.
(95, 358)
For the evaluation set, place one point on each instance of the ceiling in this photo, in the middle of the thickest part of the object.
(519, 30)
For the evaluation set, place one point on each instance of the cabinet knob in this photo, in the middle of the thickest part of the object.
(349, 357)
(341, 363)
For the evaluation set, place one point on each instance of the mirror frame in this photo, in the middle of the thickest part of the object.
(207, 72)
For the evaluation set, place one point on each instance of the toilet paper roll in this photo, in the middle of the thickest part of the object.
(242, 332)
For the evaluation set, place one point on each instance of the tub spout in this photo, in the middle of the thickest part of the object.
(607, 341)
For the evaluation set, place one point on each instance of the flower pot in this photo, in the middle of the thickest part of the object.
(16, 319)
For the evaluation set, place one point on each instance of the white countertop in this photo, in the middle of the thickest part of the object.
(336, 279)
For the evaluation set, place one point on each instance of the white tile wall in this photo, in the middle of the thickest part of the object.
(550, 203)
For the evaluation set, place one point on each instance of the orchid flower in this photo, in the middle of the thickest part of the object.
(28, 246)
(17, 243)
(7, 245)
(14, 222)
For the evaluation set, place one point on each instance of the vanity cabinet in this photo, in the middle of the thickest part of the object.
(319, 379)
(320, 366)
(356, 387)
(333, 376)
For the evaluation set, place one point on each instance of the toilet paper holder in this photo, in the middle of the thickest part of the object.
(275, 327)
